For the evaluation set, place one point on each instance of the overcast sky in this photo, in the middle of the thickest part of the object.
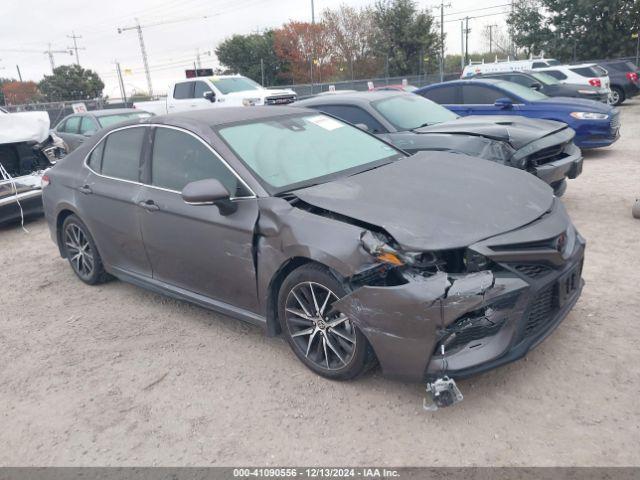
(28, 26)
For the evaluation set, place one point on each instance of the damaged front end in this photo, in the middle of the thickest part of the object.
(440, 316)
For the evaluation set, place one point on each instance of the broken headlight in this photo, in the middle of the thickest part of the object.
(475, 262)
(377, 245)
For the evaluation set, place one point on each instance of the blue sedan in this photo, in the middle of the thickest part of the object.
(596, 124)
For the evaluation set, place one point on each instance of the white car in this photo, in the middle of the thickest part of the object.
(475, 68)
(583, 74)
(216, 91)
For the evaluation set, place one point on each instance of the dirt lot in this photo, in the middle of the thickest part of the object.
(115, 375)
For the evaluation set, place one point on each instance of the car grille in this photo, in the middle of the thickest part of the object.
(473, 332)
(533, 270)
(541, 311)
(280, 100)
(546, 155)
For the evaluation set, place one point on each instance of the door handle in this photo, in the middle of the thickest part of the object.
(149, 205)
(86, 189)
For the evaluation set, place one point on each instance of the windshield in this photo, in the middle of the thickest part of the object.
(234, 84)
(526, 93)
(300, 150)
(406, 112)
(108, 120)
(545, 78)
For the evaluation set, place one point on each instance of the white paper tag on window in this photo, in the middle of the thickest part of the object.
(327, 123)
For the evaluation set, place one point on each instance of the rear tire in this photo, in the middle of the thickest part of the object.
(326, 342)
(617, 96)
(81, 252)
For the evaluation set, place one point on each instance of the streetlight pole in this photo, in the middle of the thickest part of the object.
(313, 43)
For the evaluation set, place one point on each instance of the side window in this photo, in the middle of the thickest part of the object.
(353, 115)
(88, 125)
(200, 89)
(447, 95)
(539, 65)
(72, 124)
(179, 158)
(520, 79)
(121, 158)
(183, 90)
(556, 74)
(480, 95)
(95, 159)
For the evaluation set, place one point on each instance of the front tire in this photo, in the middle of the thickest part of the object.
(326, 341)
(81, 252)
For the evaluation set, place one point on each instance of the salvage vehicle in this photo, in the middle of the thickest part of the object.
(75, 129)
(26, 150)
(216, 91)
(414, 124)
(596, 124)
(309, 227)
(549, 85)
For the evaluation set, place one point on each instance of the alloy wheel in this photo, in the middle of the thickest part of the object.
(614, 97)
(79, 250)
(325, 337)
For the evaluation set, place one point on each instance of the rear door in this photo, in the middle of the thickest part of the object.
(450, 96)
(108, 199)
(69, 131)
(199, 90)
(195, 247)
(181, 99)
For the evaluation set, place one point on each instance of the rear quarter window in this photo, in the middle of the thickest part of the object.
(556, 74)
(121, 158)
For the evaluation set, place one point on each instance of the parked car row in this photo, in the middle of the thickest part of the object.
(612, 81)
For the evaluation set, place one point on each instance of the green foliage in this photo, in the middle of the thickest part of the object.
(242, 54)
(405, 36)
(576, 29)
(71, 82)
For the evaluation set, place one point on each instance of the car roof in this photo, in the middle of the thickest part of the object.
(364, 97)
(226, 115)
(113, 111)
(486, 81)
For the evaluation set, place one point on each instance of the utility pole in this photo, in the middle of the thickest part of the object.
(19, 74)
(262, 71)
(461, 45)
(442, 7)
(637, 35)
(198, 58)
(143, 50)
(490, 27)
(51, 52)
(121, 82)
(313, 43)
(466, 41)
(75, 47)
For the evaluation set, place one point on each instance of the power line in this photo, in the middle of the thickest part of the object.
(75, 47)
(477, 9)
(477, 16)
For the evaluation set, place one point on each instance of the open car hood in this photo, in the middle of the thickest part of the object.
(515, 130)
(436, 200)
(24, 127)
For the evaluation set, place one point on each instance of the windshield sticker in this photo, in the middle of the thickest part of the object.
(327, 123)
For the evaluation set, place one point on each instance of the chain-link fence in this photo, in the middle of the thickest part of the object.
(58, 110)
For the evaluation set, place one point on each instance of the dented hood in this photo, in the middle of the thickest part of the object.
(515, 130)
(24, 127)
(436, 200)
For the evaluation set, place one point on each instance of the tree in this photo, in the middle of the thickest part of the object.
(16, 93)
(71, 82)
(298, 44)
(350, 32)
(405, 36)
(2, 82)
(243, 54)
(574, 29)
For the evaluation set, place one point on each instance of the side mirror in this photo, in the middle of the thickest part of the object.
(504, 103)
(536, 86)
(209, 192)
(211, 96)
(362, 126)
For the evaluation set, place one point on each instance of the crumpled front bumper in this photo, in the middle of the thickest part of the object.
(406, 323)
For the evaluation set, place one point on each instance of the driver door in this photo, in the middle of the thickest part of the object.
(195, 247)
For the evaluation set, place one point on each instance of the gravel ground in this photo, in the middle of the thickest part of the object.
(115, 375)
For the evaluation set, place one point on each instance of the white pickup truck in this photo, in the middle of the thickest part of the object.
(216, 91)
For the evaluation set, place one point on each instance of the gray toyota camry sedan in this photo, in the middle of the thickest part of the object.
(319, 231)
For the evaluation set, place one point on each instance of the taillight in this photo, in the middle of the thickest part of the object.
(633, 76)
(45, 181)
(595, 82)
